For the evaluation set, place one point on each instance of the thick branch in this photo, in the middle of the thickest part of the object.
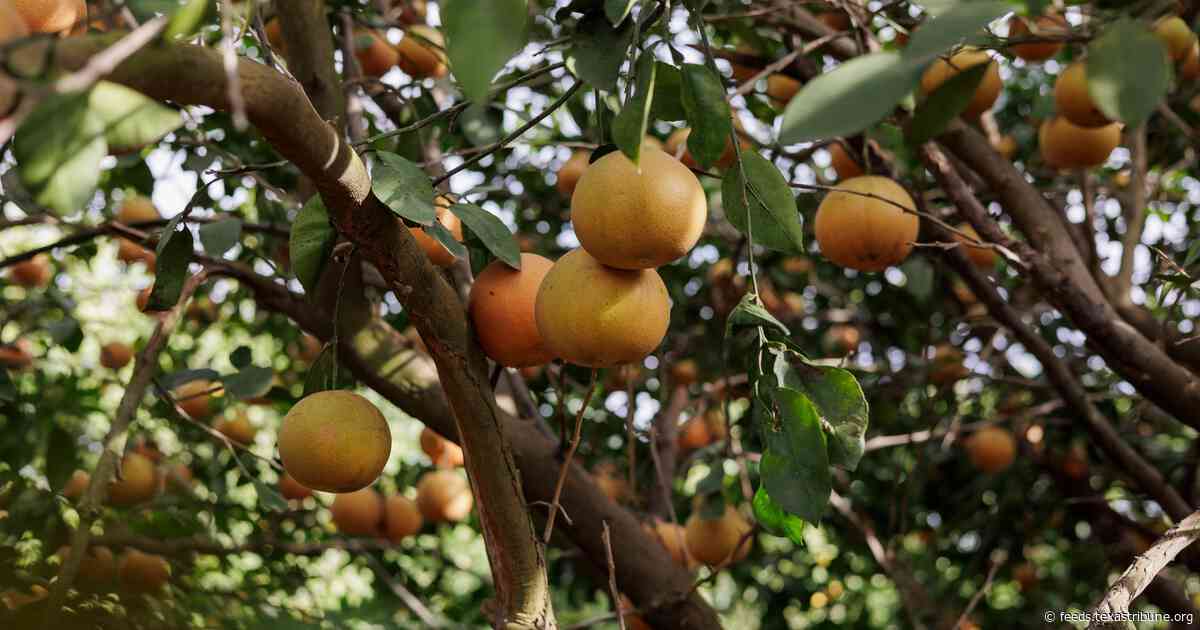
(1060, 273)
(1145, 567)
(1144, 474)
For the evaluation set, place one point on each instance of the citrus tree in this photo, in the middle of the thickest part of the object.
(600, 313)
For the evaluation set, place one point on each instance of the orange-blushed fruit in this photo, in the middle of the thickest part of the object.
(76, 485)
(434, 249)
(17, 355)
(981, 257)
(358, 513)
(991, 449)
(293, 490)
(781, 88)
(238, 428)
(1006, 146)
(97, 568)
(676, 146)
(444, 496)
(443, 452)
(334, 441)
(115, 355)
(947, 365)
(137, 483)
(864, 224)
(1176, 35)
(694, 434)
(638, 216)
(569, 173)
(843, 162)
(401, 518)
(684, 372)
(716, 541)
(502, 304)
(375, 55)
(673, 537)
(12, 27)
(841, 339)
(51, 16)
(597, 316)
(1065, 145)
(33, 273)
(988, 89)
(196, 398)
(1072, 99)
(420, 53)
(130, 252)
(1049, 26)
(137, 209)
(143, 572)
(1189, 68)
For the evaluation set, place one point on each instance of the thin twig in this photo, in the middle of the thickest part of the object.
(975, 599)
(606, 536)
(566, 465)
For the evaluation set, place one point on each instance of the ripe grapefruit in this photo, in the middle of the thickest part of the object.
(713, 541)
(335, 441)
(781, 88)
(51, 16)
(12, 27)
(142, 572)
(844, 164)
(502, 307)
(195, 398)
(420, 54)
(130, 252)
(291, 489)
(676, 146)
(992, 449)
(982, 257)
(358, 513)
(694, 434)
(1066, 145)
(569, 173)
(375, 55)
(115, 355)
(673, 537)
(97, 568)
(401, 518)
(638, 217)
(137, 209)
(943, 70)
(238, 429)
(1072, 100)
(33, 273)
(867, 233)
(443, 452)
(435, 250)
(17, 355)
(1176, 35)
(137, 482)
(1048, 25)
(841, 339)
(597, 316)
(444, 496)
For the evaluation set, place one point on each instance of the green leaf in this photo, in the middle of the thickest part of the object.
(761, 205)
(629, 127)
(848, 99)
(775, 520)
(174, 254)
(668, 91)
(839, 400)
(481, 36)
(795, 462)
(58, 151)
(1128, 72)
(319, 377)
(446, 238)
(186, 20)
(944, 104)
(950, 28)
(67, 333)
(616, 10)
(750, 314)
(707, 113)
(404, 188)
(240, 357)
(131, 120)
(491, 231)
(598, 50)
(311, 243)
(268, 497)
(249, 382)
(60, 456)
(219, 237)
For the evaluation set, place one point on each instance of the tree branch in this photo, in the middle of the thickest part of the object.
(1145, 567)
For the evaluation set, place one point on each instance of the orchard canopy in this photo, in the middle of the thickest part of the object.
(530, 314)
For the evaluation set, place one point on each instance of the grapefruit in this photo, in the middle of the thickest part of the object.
(1048, 25)
(991, 449)
(76, 485)
(115, 355)
(195, 398)
(867, 233)
(715, 541)
(12, 27)
(375, 55)
(401, 518)
(638, 217)
(843, 162)
(988, 89)
(420, 54)
(1176, 35)
(1072, 99)
(335, 441)
(1065, 145)
(981, 257)
(238, 429)
(597, 316)
(51, 16)
(33, 273)
(358, 513)
(136, 483)
(435, 250)
(291, 489)
(444, 496)
(442, 452)
(142, 572)
(569, 173)
(502, 304)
